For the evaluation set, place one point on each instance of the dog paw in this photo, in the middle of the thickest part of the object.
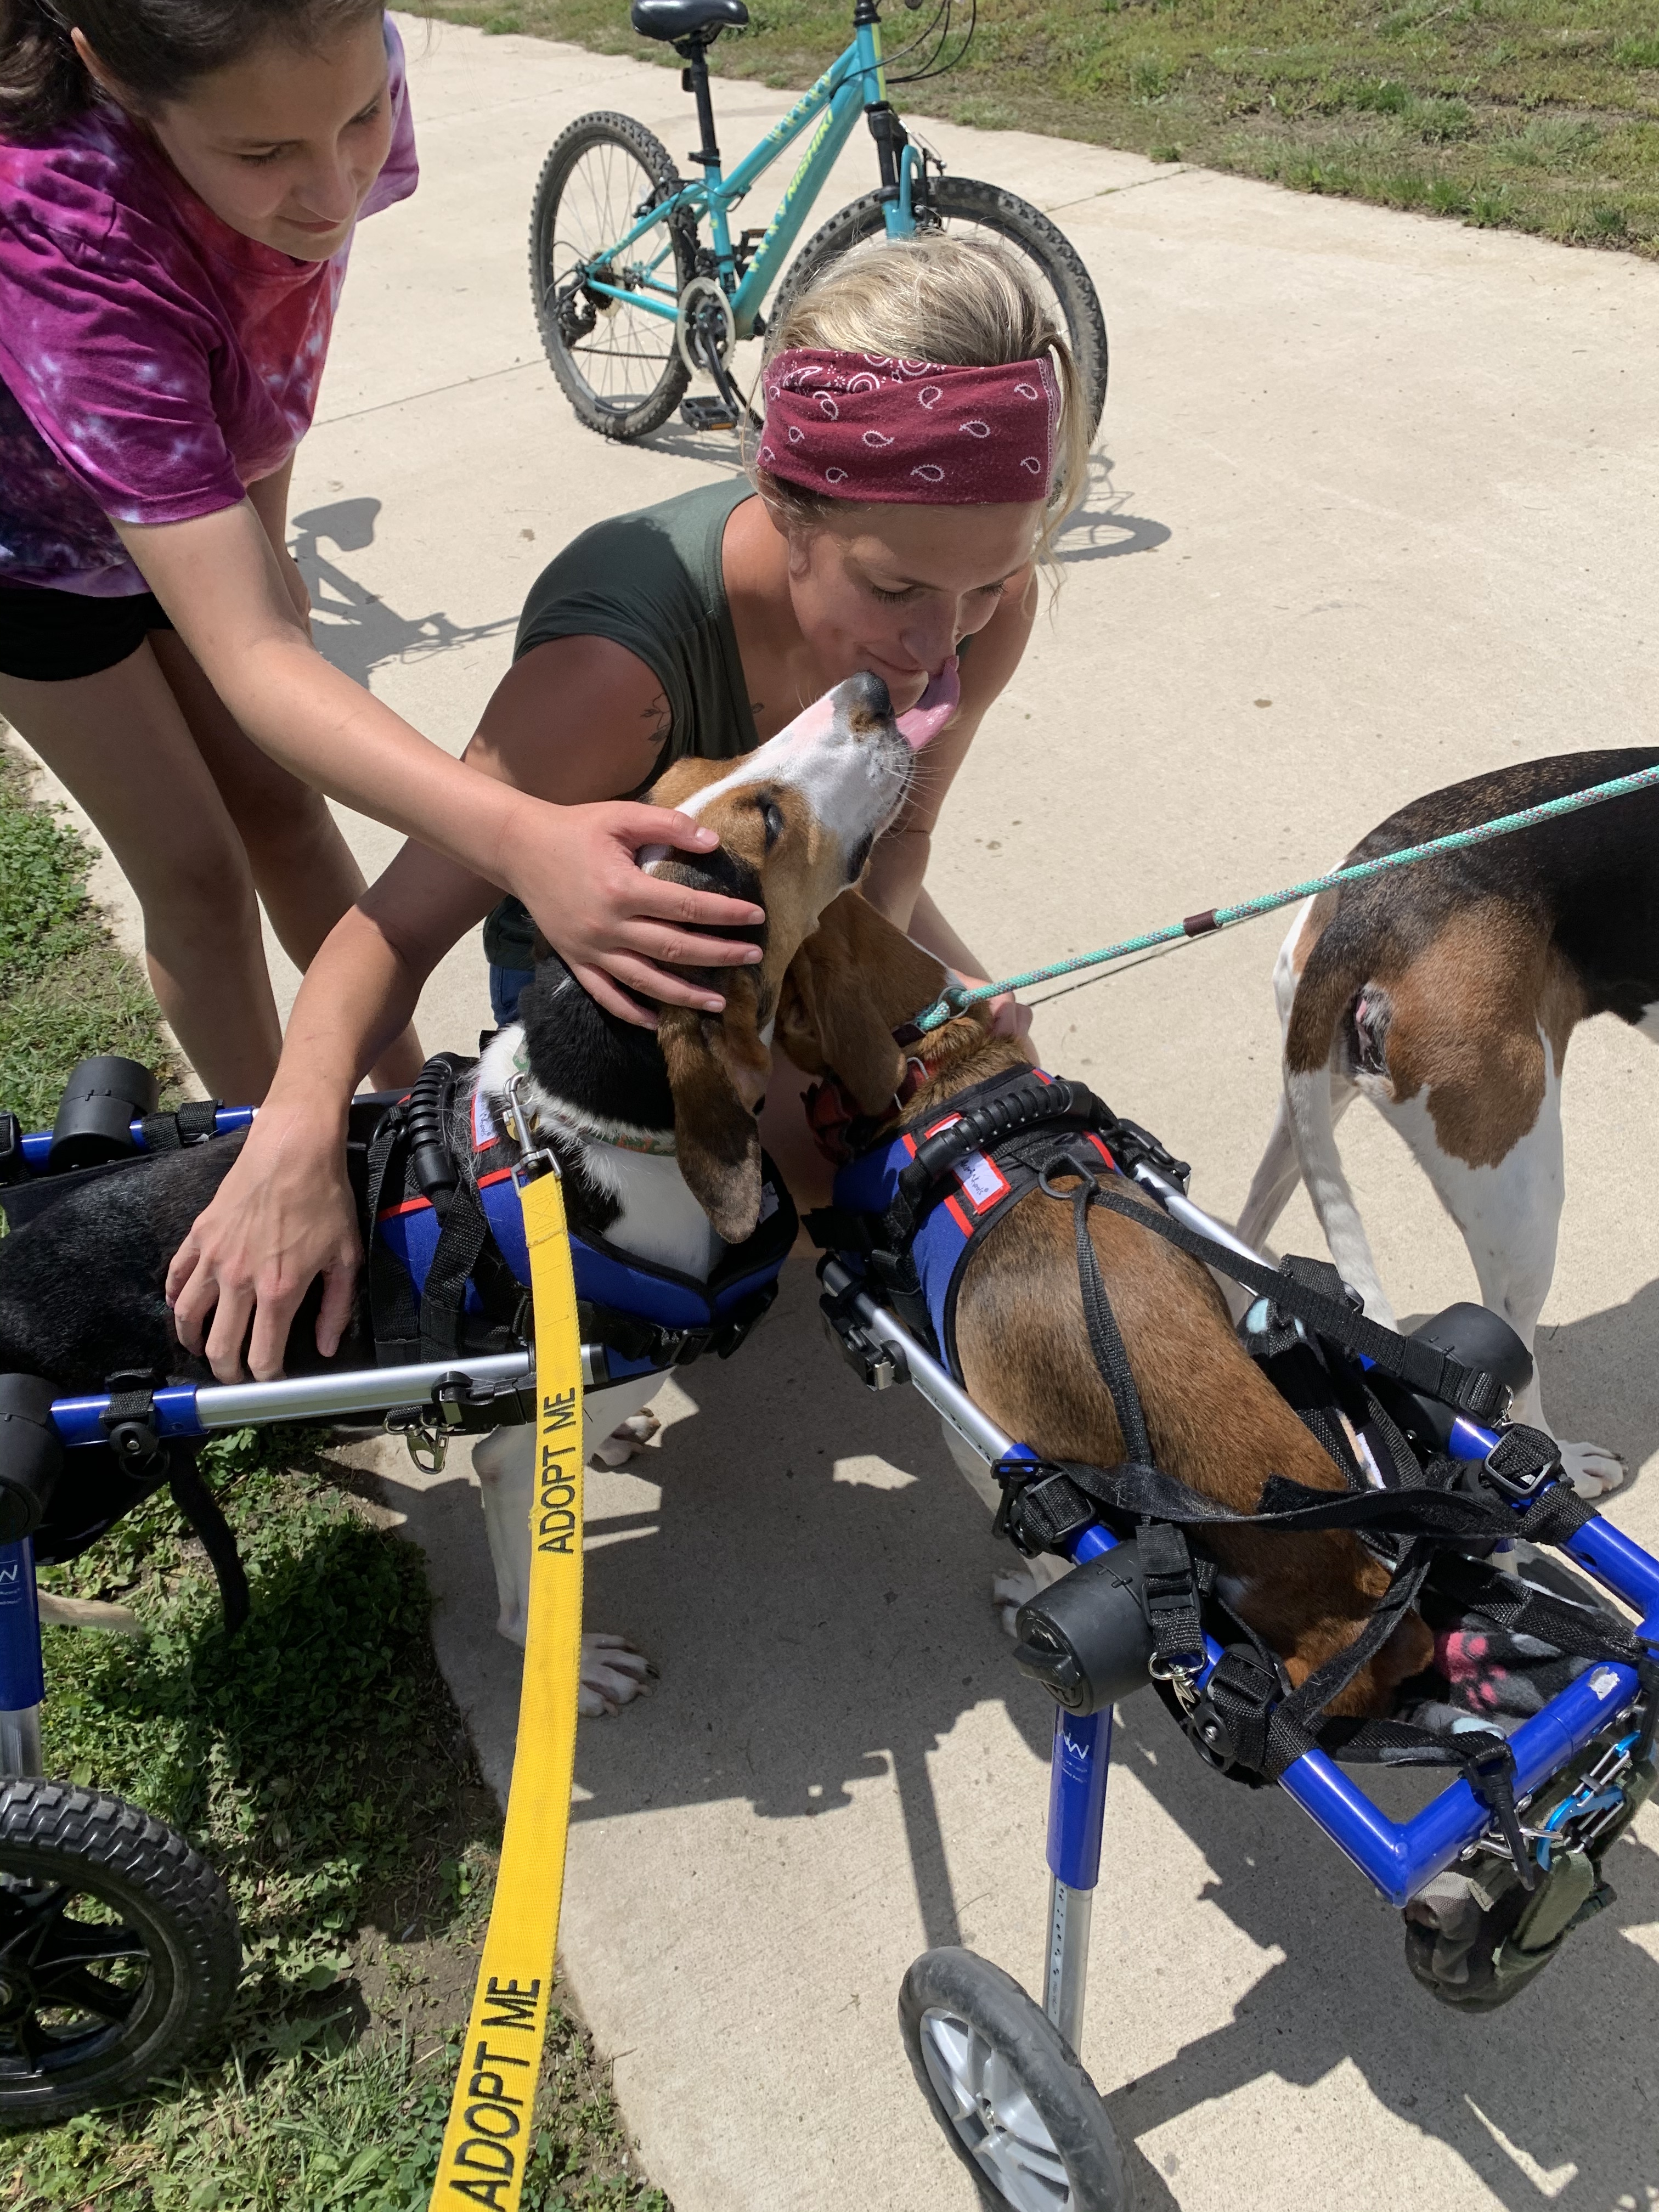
(1592, 1469)
(626, 1438)
(613, 1674)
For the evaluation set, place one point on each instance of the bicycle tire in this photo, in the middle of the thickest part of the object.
(175, 1926)
(964, 199)
(631, 414)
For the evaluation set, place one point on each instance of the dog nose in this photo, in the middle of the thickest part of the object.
(865, 703)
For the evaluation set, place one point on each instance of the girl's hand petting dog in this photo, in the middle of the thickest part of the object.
(282, 1217)
(577, 870)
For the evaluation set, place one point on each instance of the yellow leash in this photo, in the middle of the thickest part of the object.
(487, 2143)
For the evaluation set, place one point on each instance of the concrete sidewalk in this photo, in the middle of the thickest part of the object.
(1374, 508)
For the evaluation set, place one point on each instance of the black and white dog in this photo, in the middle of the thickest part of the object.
(655, 1130)
(1446, 994)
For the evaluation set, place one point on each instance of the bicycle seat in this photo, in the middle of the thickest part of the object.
(701, 20)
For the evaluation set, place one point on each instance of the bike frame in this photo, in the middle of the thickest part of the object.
(854, 83)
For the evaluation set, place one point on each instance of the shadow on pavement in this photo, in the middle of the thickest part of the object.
(353, 628)
(817, 1578)
(1101, 530)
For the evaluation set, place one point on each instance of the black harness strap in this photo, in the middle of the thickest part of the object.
(192, 1124)
(200, 1509)
(393, 1311)
(1419, 1366)
(1106, 1340)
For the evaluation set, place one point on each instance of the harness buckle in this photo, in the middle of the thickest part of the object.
(532, 1162)
(1522, 1464)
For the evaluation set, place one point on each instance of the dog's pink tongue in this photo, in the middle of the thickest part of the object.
(933, 709)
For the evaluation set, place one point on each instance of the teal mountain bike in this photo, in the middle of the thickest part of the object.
(640, 284)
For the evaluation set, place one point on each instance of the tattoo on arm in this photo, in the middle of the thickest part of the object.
(661, 719)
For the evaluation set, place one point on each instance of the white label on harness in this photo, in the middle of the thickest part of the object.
(982, 1181)
(1604, 1682)
(768, 1201)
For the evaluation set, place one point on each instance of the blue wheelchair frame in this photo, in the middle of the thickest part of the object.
(854, 83)
(1398, 1857)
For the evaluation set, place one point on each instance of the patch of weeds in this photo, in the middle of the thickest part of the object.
(1150, 76)
(65, 990)
(985, 114)
(504, 20)
(1388, 97)
(1163, 153)
(1448, 197)
(1636, 53)
(1441, 122)
(1490, 207)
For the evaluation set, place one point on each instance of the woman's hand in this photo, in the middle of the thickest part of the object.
(1009, 1018)
(282, 1217)
(577, 870)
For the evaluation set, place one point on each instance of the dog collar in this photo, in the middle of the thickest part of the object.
(625, 1136)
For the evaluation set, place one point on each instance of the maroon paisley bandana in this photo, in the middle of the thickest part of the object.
(868, 426)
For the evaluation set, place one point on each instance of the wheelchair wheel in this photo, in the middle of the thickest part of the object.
(967, 208)
(119, 1950)
(1018, 2109)
(619, 365)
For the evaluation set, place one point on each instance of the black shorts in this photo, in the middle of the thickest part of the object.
(51, 637)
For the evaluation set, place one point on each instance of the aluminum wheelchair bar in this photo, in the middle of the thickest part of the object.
(1081, 1757)
(192, 1409)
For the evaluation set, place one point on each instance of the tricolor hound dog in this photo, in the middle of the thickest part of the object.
(1214, 1419)
(1446, 994)
(655, 1130)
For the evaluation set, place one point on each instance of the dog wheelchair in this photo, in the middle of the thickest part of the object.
(119, 1950)
(1492, 1874)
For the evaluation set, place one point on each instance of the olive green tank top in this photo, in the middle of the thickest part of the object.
(653, 582)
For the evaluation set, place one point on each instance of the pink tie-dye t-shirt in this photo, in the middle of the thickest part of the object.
(153, 361)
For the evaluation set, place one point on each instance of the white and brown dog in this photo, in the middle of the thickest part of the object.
(1446, 994)
(1214, 1419)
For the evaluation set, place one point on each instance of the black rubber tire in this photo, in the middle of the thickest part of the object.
(972, 1990)
(58, 1843)
(640, 412)
(962, 199)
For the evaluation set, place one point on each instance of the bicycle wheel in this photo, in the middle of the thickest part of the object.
(1006, 2088)
(618, 365)
(119, 1950)
(967, 210)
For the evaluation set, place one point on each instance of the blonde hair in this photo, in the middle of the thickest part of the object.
(963, 304)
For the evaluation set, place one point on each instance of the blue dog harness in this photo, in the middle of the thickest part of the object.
(911, 1208)
(647, 1315)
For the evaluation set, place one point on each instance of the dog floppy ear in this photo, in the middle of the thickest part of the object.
(850, 985)
(717, 1071)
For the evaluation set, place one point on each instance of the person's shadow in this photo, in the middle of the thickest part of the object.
(354, 628)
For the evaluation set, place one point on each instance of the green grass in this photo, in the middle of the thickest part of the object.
(316, 1758)
(1536, 115)
(66, 991)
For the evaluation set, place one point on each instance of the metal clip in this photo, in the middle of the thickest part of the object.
(420, 1435)
(534, 1162)
(1181, 1679)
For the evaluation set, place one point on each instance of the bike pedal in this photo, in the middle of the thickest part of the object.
(699, 414)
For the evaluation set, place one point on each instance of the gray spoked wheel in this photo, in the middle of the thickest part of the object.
(618, 364)
(119, 1950)
(1018, 2109)
(968, 210)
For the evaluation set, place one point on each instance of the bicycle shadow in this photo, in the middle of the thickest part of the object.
(353, 628)
(1101, 529)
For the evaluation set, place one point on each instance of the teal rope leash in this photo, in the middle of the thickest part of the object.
(955, 999)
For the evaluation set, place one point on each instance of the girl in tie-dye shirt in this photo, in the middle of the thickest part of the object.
(179, 184)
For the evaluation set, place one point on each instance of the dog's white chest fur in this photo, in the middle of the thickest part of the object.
(661, 1221)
